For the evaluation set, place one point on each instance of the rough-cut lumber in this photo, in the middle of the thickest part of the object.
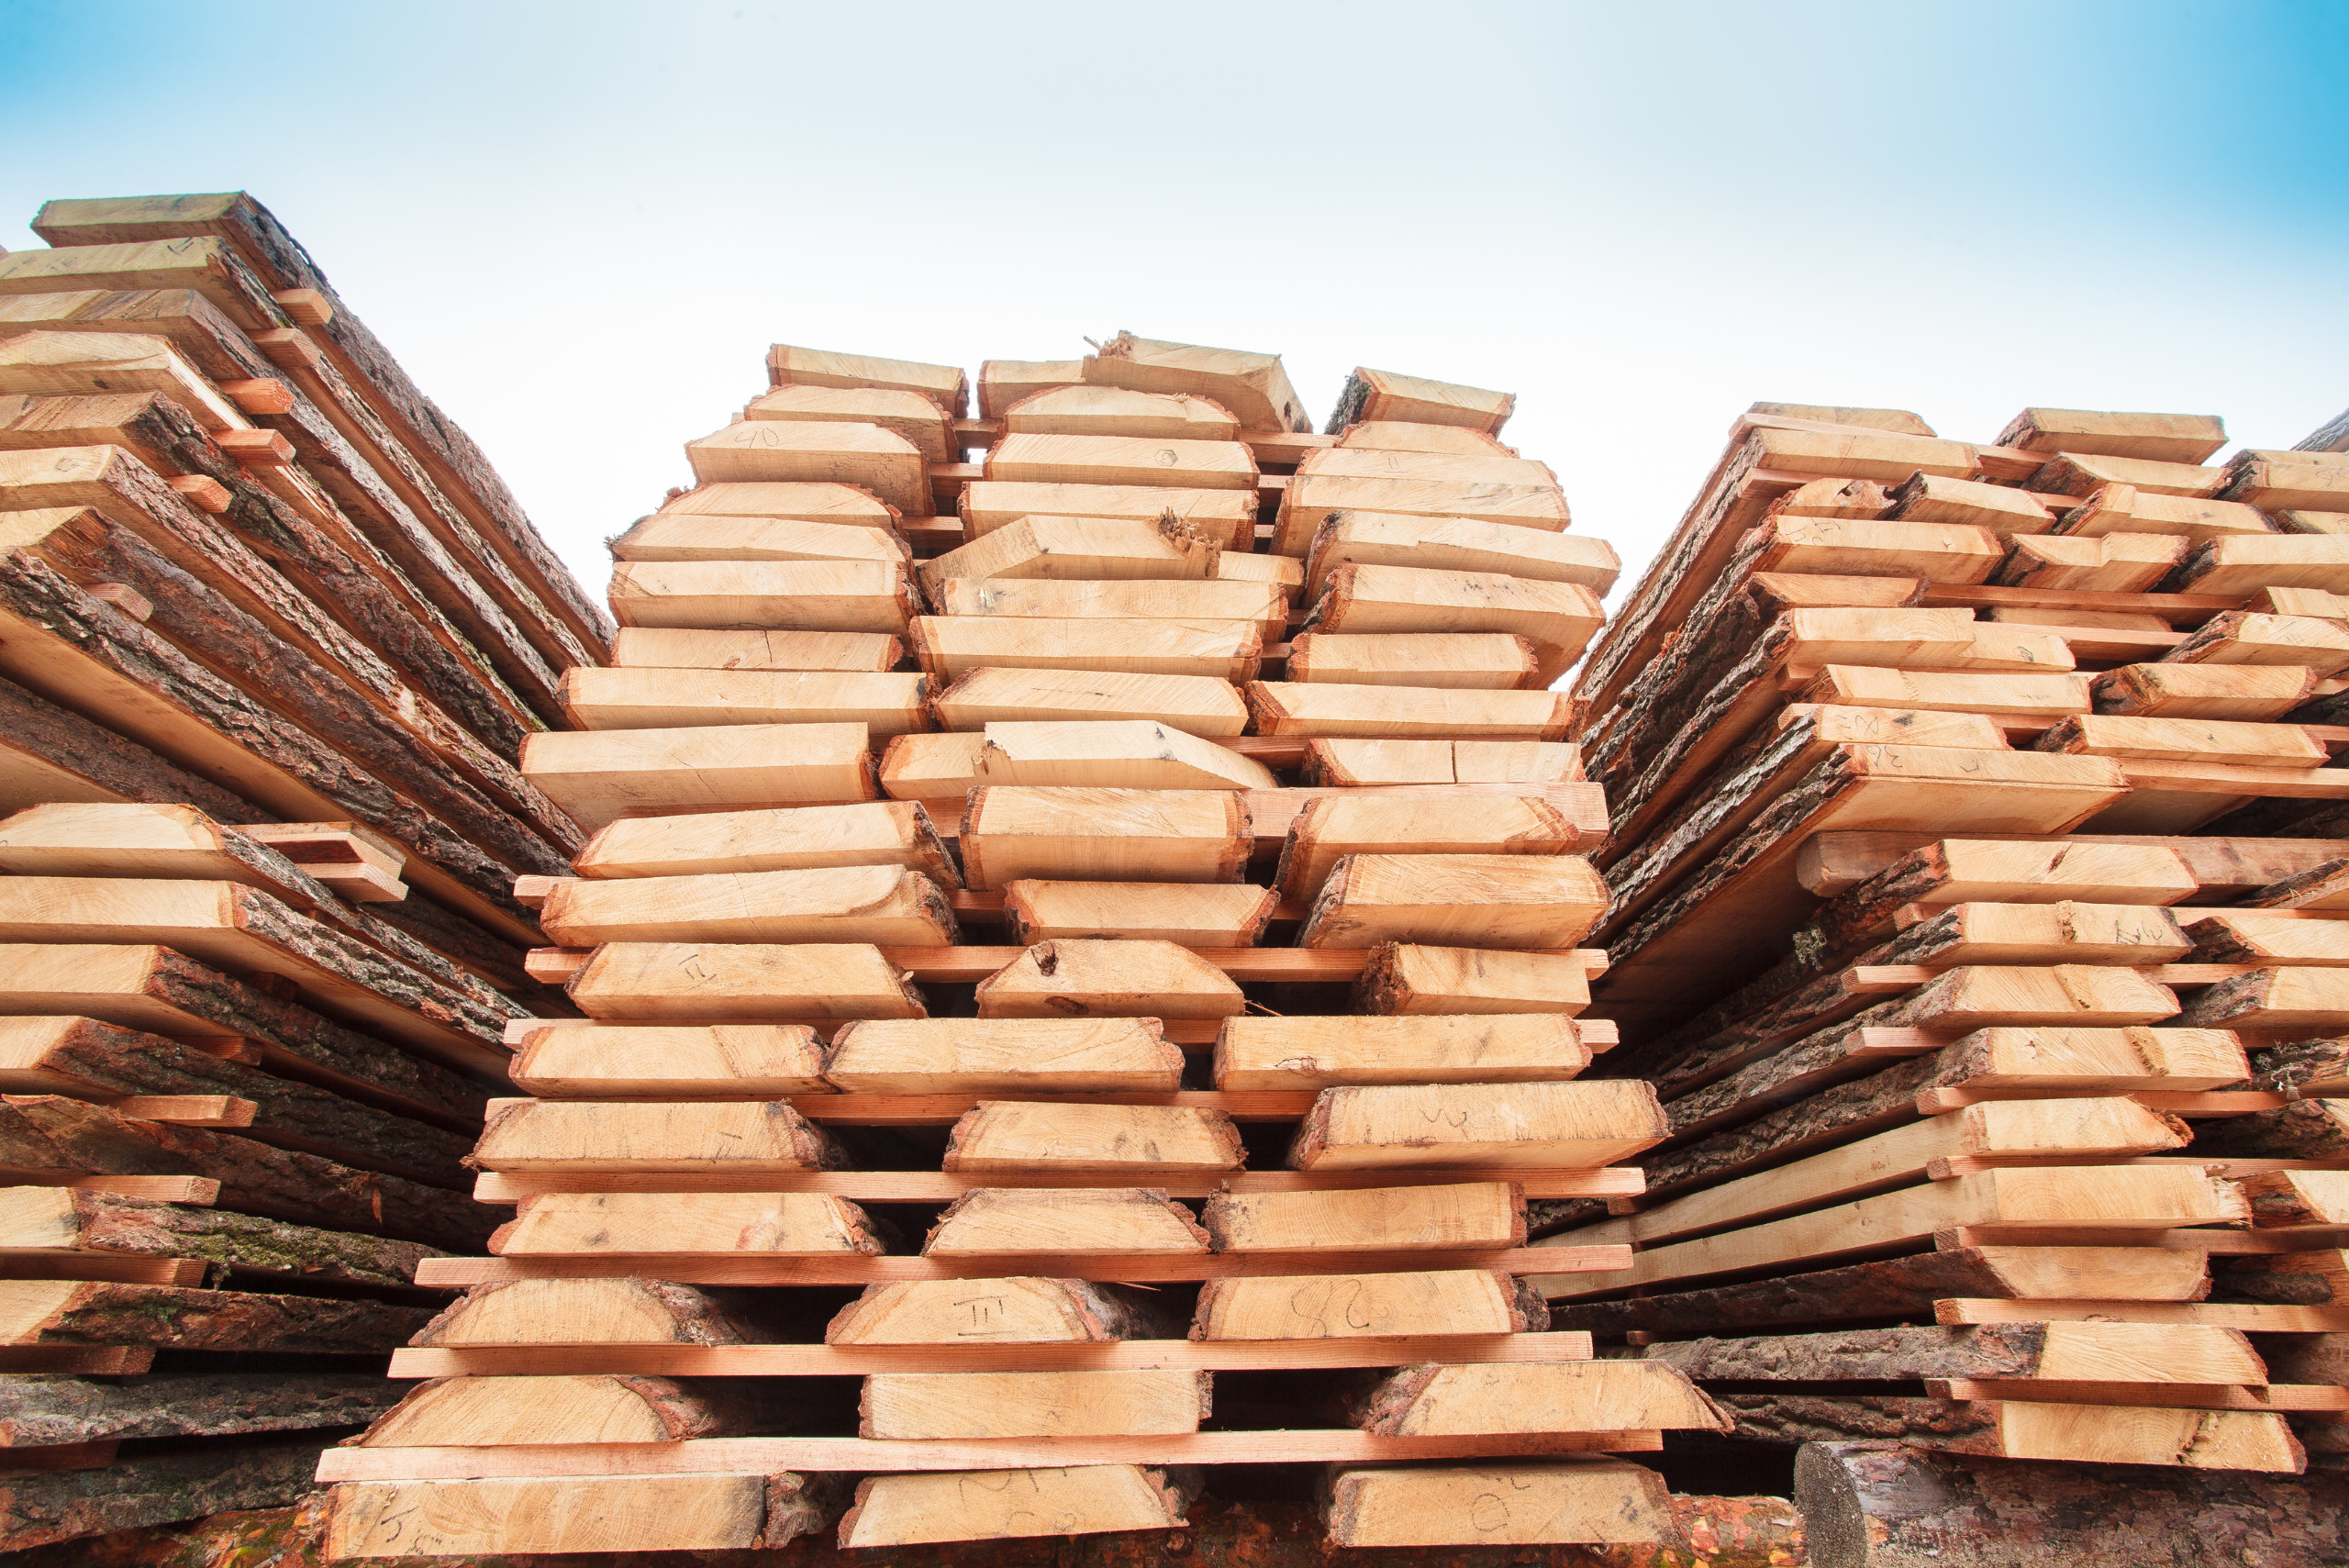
(658, 982)
(2062, 1352)
(584, 1407)
(1395, 435)
(1458, 1215)
(1512, 491)
(588, 1312)
(1372, 396)
(922, 1405)
(993, 1505)
(670, 647)
(1002, 1056)
(1931, 552)
(1124, 1221)
(1252, 386)
(2210, 1439)
(899, 410)
(44, 1409)
(788, 595)
(2159, 438)
(1480, 900)
(759, 450)
(881, 904)
(653, 699)
(767, 1224)
(694, 536)
(1371, 599)
(1458, 544)
(625, 1515)
(50, 754)
(1004, 384)
(48, 1220)
(951, 646)
(1460, 661)
(160, 1487)
(1198, 705)
(882, 833)
(572, 1135)
(945, 385)
(2204, 690)
(1592, 1500)
(1576, 1125)
(2140, 738)
(1029, 458)
(1315, 709)
(71, 1312)
(48, 364)
(2247, 637)
(1011, 832)
(1112, 411)
(1004, 1136)
(1413, 979)
(594, 1062)
(1113, 753)
(1193, 914)
(2249, 936)
(2081, 473)
(1332, 827)
(844, 504)
(2287, 480)
(1956, 871)
(1322, 1052)
(2273, 998)
(1226, 518)
(1373, 760)
(1319, 1307)
(2104, 563)
(1020, 599)
(1078, 548)
(1017, 1310)
(1597, 1396)
(599, 776)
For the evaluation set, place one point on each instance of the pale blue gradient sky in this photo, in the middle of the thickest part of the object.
(580, 225)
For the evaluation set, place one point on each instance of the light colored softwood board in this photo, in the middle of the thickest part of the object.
(882, 903)
(586, 1060)
(2021, 649)
(2289, 1197)
(1410, 978)
(1492, 901)
(1458, 544)
(881, 833)
(1073, 548)
(1004, 382)
(783, 596)
(559, 1408)
(921, 1405)
(1117, 411)
(1445, 488)
(710, 982)
(1191, 914)
(715, 536)
(995, 1505)
(1584, 1396)
(1786, 590)
(2200, 1438)
(2029, 1063)
(764, 451)
(2110, 563)
(1372, 761)
(2251, 1317)
(621, 1514)
(171, 842)
(1012, 1135)
(1833, 498)
(77, 364)
(613, 1311)
(1022, 1309)
(2138, 738)
(910, 415)
(2288, 481)
(789, 365)
(599, 776)
(2003, 696)
(1030, 459)
(1466, 660)
(885, 1056)
(1253, 387)
(2084, 474)
(621, 1135)
(1324, 1052)
(1936, 499)
(1223, 518)
(1113, 753)
(2059, 933)
(940, 769)
(2158, 438)
(1263, 605)
(1319, 711)
(1013, 832)
(1342, 461)
(1455, 1217)
(2120, 1198)
(1594, 1501)
(2246, 564)
(1372, 396)
(2252, 692)
(2246, 637)
(1234, 565)
(948, 647)
(1358, 598)
(665, 699)
(1270, 811)
(1400, 436)
(1956, 871)
(1589, 1123)
(679, 648)
(1332, 827)
(933, 1186)
(2275, 1397)
(2122, 508)
(2273, 998)
(999, 1221)
(1860, 547)
(2247, 936)
(1339, 1305)
(1197, 705)
(2097, 1127)
(728, 504)
(748, 1224)
(739, 1268)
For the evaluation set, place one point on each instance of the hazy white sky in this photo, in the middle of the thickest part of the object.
(580, 225)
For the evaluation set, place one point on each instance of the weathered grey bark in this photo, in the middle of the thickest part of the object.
(38, 1409)
(122, 767)
(94, 1312)
(51, 1134)
(1872, 1505)
(108, 1222)
(154, 1489)
(1857, 1292)
(1907, 1354)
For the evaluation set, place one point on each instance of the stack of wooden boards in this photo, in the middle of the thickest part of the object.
(1235, 739)
(1976, 845)
(272, 635)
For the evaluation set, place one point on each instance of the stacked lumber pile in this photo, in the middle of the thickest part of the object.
(1142, 1064)
(273, 636)
(1976, 844)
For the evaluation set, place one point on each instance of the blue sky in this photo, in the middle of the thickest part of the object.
(580, 225)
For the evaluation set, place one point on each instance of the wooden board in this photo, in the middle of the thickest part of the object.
(1224, 517)
(1458, 544)
(680, 536)
(769, 451)
(786, 595)
(1063, 410)
(1196, 705)
(654, 983)
(1322, 1052)
(881, 833)
(1123, 978)
(1495, 901)
(598, 776)
(987, 1055)
(1588, 1123)
(1014, 832)
(1317, 711)
(882, 903)
(661, 699)
(948, 647)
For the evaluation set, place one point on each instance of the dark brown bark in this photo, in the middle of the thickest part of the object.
(120, 767)
(38, 1409)
(1885, 1505)
(1859, 1108)
(51, 1134)
(2302, 1130)
(470, 948)
(87, 1312)
(108, 1222)
(1691, 743)
(155, 1489)
(1804, 1068)
(1907, 1354)
(1965, 1426)
(1857, 1292)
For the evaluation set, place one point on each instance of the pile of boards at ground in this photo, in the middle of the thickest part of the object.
(1978, 878)
(1081, 959)
(273, 636)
